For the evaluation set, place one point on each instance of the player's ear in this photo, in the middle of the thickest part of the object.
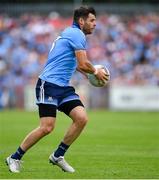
(81, 21)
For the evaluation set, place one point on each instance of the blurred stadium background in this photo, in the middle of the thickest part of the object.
(126, 40)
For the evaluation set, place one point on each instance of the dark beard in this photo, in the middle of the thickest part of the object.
(86, 32)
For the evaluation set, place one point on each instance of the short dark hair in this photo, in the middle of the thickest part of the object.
(83, 12)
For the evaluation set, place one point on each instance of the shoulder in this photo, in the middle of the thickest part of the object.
(73, 33)
(75, 37)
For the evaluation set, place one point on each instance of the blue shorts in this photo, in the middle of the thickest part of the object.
(52, 94)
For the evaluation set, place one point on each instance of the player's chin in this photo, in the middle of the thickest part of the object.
(90, 32)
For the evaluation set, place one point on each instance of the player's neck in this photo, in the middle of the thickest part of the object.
(76, 25)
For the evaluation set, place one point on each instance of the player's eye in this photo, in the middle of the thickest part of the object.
(93, 20)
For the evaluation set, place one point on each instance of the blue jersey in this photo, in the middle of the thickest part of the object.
(62, 63)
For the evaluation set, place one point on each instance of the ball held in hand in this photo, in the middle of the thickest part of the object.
(95, 81)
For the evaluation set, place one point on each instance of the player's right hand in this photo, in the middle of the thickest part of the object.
(102, 74)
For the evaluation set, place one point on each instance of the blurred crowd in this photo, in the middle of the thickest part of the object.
(127, 45)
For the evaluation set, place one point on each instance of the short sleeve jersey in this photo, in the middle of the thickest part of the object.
(62, 63)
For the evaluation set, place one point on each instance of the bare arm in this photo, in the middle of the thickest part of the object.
(85, 66)
(83, 63)
(82, 72)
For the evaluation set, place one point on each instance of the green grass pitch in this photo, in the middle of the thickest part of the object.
(114, 145)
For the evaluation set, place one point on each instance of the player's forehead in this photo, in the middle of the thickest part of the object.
(91, 17)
